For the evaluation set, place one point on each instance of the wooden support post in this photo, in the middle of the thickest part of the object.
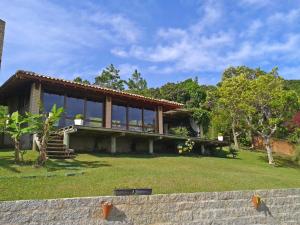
(108, 108)
(151, 146)
(160, 120)
(113, 145)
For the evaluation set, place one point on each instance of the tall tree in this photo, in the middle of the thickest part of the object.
(137, 84)
(273, 105)
(80, 80)
(232, 100)
(110, 78)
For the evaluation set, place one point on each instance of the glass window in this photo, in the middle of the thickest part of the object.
(94, 113)
(50, 99)
(119, 116)
(74, 106)
(135, 120)
(149, 120)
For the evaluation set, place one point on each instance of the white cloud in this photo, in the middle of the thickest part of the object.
(58, 38)
(126, 70)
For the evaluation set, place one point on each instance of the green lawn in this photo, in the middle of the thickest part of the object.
(100, 174)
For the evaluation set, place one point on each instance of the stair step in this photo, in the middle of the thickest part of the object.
(61, 152)
(56, 144)
(61, 156)
(54, 147)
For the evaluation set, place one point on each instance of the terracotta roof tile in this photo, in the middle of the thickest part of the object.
(33, 75)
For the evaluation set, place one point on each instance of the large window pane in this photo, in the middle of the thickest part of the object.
(119, 116)
(94, 113)
(74, 106)
(135, 120)
(149, 120)
(50, 99)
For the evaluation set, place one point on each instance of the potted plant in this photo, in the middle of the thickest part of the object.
(78, 119)
(106, 208)
(256, 201)
(220, 137)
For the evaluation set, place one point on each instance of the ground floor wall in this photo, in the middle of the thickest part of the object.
(277, 207)
(124, 144)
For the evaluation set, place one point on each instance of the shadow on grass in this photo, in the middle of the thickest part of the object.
(281, 161)
(74, 164)
(219, 154)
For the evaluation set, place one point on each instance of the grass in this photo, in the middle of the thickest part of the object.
(99, 174)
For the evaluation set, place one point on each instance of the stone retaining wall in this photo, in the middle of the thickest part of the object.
(278, 207)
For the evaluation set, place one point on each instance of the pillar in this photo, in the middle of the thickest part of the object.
(108, 108)
(35, 98)
(160, 120)
(66, 140)
(151, 146)
(34, 108)
(113, 148)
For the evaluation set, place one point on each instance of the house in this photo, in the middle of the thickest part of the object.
(114, 121)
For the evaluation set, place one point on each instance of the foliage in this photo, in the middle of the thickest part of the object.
(186, 147)
(46, 126)
(202, 117)
(294, 137)
(110, 78)
(136, 84)
(273, 105)
(18, 125)
(293, 85)
(79, 116)
(232, 104)
(3, 117)
(179, 131)
(188, 92)
(80, 80)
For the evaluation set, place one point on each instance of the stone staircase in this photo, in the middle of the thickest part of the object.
(56, 149)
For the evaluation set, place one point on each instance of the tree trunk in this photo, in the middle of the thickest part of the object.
(202, 136)
(268, 146)
(236, 143)
(250, 138)
(17, 150)
(43, 151)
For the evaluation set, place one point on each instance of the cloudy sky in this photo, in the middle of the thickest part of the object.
(165, 40)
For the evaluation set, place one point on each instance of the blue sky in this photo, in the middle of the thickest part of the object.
(166, 40)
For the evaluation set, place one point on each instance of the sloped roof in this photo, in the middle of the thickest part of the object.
(27, 75)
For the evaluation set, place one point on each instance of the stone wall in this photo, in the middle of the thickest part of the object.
(278, 207)
(278, 146)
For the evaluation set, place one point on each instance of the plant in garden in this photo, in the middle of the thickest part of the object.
(186, 147)
(17, 126)
(47, 125)
(79, 116)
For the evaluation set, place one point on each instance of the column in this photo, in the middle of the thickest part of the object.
(160, 120)
(151, 146)
(66, 140)
(35, 98)
(113, 148)
(108, 108)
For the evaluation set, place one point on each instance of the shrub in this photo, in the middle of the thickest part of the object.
(179, 131)
(233, 151)
(186, 147)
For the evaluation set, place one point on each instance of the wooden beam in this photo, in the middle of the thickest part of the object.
(108, 110)
(160, 120)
